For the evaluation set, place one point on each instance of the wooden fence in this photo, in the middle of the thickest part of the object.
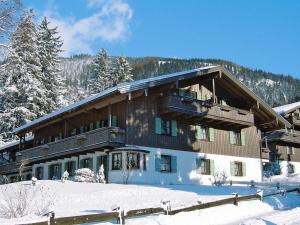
(148, 211)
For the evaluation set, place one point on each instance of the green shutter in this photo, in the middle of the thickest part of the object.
(114, 121)
(198, 165)
(97, 124)
(231, 137)
(81, 129)
(157, 163)
(244, 168)
(212, 166)
(287, 150)
(181, 92)
(173, 164)
(91, 163)
(81, 164)
(199, 97)
(243, 140)
(91, 126)
(198, 132)
(232, 168)
(157, 125)
(293, 151)
(211, 134)
(59, 171)
(98, 163)
(174, 128)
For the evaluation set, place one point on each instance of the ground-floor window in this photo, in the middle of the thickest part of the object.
(237, 169)
(70, 167)
(55, 171)
(133, 160)
(86, 163)
(116, 161)
(205, 166)
(291, 168)
(165, 163)
(39, 173)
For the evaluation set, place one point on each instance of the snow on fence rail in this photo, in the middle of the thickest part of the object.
(147, 211)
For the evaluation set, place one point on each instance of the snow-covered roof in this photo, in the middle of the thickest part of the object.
(285, 108)
(14, 143)
(121, 88)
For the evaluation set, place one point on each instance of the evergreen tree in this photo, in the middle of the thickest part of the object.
(23, 96)
(49, 48)
(123, 71)
(102, 73)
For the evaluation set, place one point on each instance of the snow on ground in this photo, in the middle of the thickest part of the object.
(274, 210)
(72, 198)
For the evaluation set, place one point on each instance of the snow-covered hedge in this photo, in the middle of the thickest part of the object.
(85, 175)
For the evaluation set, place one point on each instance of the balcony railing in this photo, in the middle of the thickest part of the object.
(102, 137)
(202, 110)
(296, 121)
(9, 167)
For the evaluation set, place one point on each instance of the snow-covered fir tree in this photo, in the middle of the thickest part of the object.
(22, 98)
(101, 175)
(50, 43)
(123, 71)
(102, 73)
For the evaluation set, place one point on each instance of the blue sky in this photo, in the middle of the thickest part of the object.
(258, 34)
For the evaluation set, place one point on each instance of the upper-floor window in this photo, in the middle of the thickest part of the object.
(236, 137)
(290, 150)
(187, 93)
(166, 127)
(204, 133)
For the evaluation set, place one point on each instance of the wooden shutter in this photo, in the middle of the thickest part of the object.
(212, 166)
(211, 134)
(198, 165)
(81, 164)
(173, 164)
(243, 140)
(181, 92)
(157, 125)
(198, 132)
(288, 150)
(59, 171)
(157, 163)
(98, 163)
(199, 96)
(232, 168)
(174, 128)
(244, 168)
(114, 121)
(97, 124)
(293, 151)
(231, 137)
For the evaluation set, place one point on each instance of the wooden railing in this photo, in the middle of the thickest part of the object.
(101, 137)
(9, 167)
(205, 110)
(296, 121)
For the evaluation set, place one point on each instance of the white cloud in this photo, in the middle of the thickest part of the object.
(109, 23)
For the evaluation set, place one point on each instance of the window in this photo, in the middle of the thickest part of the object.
(166, 127)
(39, 172)
(86, 163)
(205, 166)
(165, 165)
(290, 150)
(291, 168)
(202, 133)
(187, 93)
(236, 137)
(237, 169)
(116, 161)
(133, 160)
(55, 171)
(70, 167)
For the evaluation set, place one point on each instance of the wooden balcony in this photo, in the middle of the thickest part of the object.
(282, 135)
(9, 167)
(89, 141)
(202, 111)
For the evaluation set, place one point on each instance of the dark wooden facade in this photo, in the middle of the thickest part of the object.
(219, 101)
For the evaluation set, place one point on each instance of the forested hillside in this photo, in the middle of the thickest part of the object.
(275, 89)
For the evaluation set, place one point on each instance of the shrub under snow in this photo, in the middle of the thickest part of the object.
(65, 176)
(85, 175)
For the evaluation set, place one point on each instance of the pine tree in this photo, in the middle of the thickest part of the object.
(101, 74)
(23, 96)
(49, 48)
(123, 71)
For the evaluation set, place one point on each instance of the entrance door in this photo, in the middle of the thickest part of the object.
(103, 159)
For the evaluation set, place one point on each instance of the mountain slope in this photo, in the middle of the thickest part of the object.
(275, 89)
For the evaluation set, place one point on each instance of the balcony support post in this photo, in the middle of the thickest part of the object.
(65, 129)
(214, 91)
(109, 115)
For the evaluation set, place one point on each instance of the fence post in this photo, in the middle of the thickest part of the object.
(261, 194)
(52, 218)
(235, 202)
(121, 216)
(166, 207)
